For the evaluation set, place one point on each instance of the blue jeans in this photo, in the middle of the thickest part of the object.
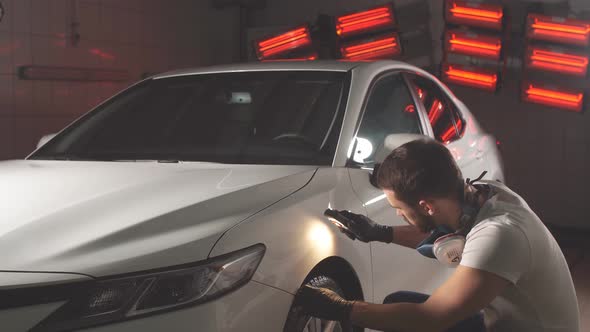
(470, 324)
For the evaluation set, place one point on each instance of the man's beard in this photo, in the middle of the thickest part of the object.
(424, 223)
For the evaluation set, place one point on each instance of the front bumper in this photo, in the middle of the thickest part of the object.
(253, 307)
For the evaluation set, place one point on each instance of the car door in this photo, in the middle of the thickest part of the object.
(390, 108)
(448, 125)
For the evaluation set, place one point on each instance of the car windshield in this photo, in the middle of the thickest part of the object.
(272, 117)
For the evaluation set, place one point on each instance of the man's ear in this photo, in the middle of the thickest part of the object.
(426, 207)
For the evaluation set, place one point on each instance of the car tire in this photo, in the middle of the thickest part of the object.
(299, 322)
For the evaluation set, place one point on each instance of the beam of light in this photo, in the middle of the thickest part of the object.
(375, 200)
(320, 238)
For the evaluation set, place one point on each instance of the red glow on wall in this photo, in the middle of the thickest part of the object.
(102, 54)
(560, 98)
(558, 30)
(283, 43)
(9, 48)
(477, 78)
(71, 74)
(383, 48)
(557, 61)
(369, 20)
(473, 44)
(474, 14)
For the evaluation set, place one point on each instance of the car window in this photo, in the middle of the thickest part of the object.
(446, 121)
(390, 109)
(245, 117)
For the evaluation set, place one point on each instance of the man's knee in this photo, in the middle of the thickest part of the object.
(405, 297)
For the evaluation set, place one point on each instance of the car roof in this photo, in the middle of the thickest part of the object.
(322, 65)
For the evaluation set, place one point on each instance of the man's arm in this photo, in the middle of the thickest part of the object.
(408, 236)
(466, 292)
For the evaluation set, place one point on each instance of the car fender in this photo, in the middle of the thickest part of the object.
(298, 237)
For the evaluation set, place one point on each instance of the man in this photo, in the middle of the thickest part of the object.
(511, 266)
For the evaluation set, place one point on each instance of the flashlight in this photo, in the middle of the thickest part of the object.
(334, 216)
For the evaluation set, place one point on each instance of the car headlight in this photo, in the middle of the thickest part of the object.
(113, 300)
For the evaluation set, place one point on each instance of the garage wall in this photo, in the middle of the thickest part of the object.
(546, 152)
(141, 36)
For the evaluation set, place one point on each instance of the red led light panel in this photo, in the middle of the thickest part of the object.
(421, 94)
(474, 14)
(451, 132)
(473, 44)
(558, 30)
(309, 57)
(557, 61)
(435, 111)
(283, 43)
(382, 48)
(477, 78)
(377, 18)
(560, 98)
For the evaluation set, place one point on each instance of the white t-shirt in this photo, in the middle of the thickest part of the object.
(509, 240)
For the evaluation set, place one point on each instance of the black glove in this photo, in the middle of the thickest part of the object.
(357, 226)
(323, 303)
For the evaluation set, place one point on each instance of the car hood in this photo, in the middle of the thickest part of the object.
(108, 218)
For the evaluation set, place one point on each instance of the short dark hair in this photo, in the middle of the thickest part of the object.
(420, 169)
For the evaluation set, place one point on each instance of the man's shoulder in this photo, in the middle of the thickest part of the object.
(494, 216)
(499, 225)
(505, 196)
(506, 210)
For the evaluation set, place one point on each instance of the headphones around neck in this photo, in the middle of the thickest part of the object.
(446, 245)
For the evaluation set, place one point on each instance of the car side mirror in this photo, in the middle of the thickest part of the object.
(45, 139)
(392, 142)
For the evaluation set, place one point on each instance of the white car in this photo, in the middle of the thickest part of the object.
(194, 200)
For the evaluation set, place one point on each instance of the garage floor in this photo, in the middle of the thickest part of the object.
(576, 248)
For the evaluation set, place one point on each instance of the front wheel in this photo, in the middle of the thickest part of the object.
(298, 322)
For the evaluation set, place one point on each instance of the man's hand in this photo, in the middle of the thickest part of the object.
(363, 228)
(323, 303)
